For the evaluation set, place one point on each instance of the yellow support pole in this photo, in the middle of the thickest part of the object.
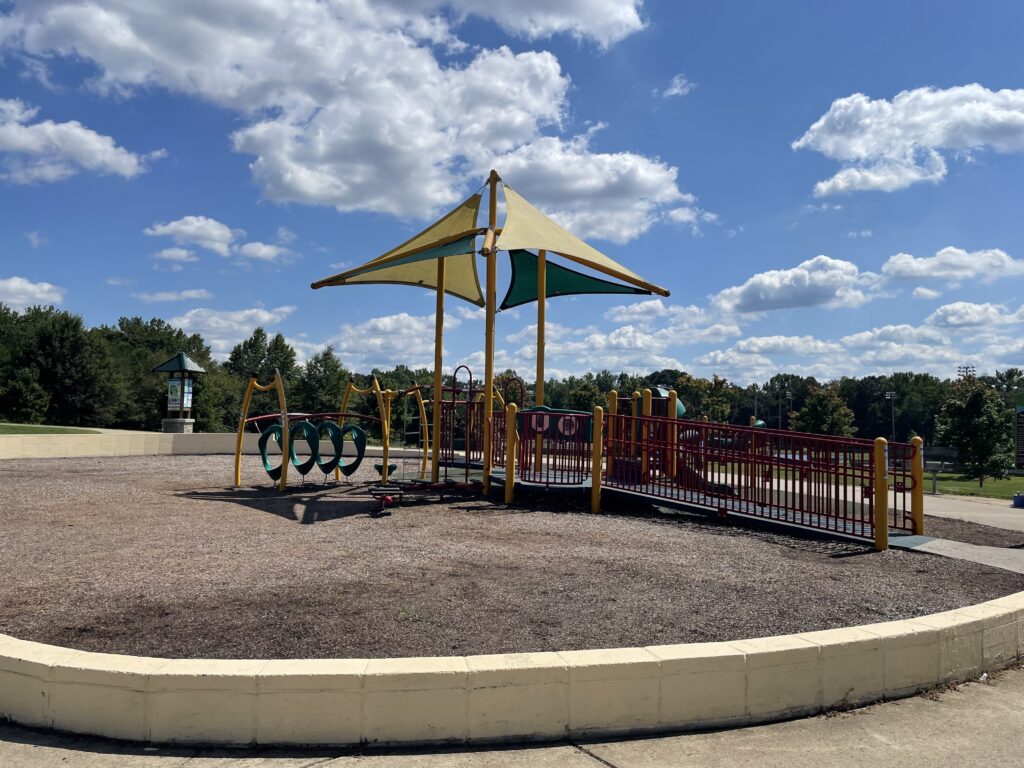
(246, 398)
(542, 289)
(435, 453)
(511, 449)
(881, 493)
(492, 280)
(613, 409)
(672, 433)
(384, 398)
(917, 494)
(644, 435)
(286, 457)
(595, 465)
(752, 421)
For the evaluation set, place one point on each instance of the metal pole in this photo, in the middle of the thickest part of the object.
(435, 452)
(492, 266)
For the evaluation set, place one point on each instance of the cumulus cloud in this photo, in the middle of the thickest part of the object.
(926, 293)
(969, 315)
(348, 105)
(383, 342)
(192, 293)
(821, 281)
(954, 264)
(176, 255)
(678, 86)
(894, 334)
(19, 292)
(890, 145)
(197, 230)
(44, 151)
(223, 329)
(263, 251)
(613, 196)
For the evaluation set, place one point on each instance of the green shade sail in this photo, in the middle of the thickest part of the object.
(180, 362)
(560, 281)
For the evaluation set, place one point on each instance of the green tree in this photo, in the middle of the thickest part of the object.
(23, 399)
(321, 383)
(824, 413)
(975, 420)
(249, 357)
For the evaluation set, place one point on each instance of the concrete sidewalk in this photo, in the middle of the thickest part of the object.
(997, 513)
(973, 725)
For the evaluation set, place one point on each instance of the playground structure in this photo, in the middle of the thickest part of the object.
(642, 446)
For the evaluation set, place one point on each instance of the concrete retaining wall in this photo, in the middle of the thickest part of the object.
(513, 697)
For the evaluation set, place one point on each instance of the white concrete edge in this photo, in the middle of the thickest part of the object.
(510, 697)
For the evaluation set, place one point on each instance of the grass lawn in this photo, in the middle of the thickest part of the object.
(35, 429)
(993, 489)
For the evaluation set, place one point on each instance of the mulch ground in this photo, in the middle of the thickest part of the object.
(159, 556)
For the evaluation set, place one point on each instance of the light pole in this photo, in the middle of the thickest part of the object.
(891, 397)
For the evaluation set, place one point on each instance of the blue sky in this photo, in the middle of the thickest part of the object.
(826, 189)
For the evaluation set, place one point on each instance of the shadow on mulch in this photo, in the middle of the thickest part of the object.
(302, 504)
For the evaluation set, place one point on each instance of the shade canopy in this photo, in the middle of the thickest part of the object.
(180, 362)
(526, 227)
(559, 281)
(414, 262)
(453, 237)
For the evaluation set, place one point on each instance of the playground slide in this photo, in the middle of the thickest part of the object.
(689, 477)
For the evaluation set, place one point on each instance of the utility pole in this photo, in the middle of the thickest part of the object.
(891, 397)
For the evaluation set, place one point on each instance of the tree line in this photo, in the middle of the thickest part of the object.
(54, 369)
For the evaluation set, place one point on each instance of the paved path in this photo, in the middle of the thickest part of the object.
(975, 725)
(997, 557)
(973, 509)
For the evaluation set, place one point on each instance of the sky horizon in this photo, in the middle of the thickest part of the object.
(825, 190)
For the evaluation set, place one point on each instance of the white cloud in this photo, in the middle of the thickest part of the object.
(383, 342)
(197, 230)
(678, 86)
(926, 293)
(890, 145)
(404, 135)
(119, 281)
(285, 235)
(954, 264)
(894, 334)
(967, 315)
(786, 345)
(176, 255)
(821, 281)
(19, 292)
(36, 239)
(223, 329)
(604, 21)
(263, 251)
(193, 293)
(44, 151)
(613, 196)
(859, 233)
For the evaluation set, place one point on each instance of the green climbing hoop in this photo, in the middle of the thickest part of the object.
(311, 433)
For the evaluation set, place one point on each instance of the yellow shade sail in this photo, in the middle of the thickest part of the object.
(414, 262)
(526, 227)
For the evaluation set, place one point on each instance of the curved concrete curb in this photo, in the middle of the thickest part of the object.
(513, 697)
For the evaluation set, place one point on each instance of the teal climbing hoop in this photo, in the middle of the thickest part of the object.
(311, 433)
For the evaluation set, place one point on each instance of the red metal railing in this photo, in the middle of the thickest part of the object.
(811, 481)
(555, 448)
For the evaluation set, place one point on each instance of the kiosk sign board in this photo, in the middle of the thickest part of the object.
(179, 397)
